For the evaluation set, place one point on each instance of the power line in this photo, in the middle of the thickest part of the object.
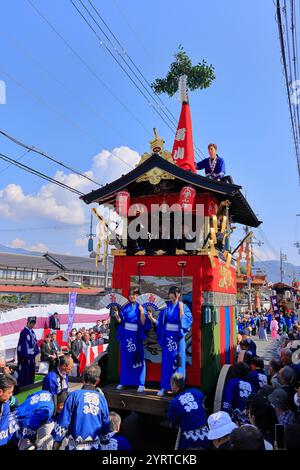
(59, 113)
(172, 122)
(39, 174)
(294, 116)
(102, 43)
(87, 66)
(43, 154)
(18, 159)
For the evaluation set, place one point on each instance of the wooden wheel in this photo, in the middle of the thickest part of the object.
(223, 377)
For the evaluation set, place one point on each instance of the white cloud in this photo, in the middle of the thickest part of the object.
(81, 242)
(264, 254)
(17, 243)
(38, 247)
(51, 202)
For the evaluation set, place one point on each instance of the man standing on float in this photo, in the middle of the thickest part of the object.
(171, 327)
(214, 165)
(131, 336)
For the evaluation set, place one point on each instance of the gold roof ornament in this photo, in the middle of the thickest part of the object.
(155, 175)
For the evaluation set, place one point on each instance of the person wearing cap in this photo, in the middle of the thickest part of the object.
(220, 427)
(187, 411)
(27, 350)
(279, 399)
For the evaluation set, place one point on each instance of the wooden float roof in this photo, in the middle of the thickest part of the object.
(240, 209)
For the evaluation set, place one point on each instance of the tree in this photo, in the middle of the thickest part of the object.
(198, 76)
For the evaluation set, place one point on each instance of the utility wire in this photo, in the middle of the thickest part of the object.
(31, 170)
(31, 148)
(87, 66)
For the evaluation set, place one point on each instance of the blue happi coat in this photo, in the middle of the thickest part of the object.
(55, 383)
(236, 393)
(171, 333)
(114, 441)
(187, 411)
(35, 411)
(257, 378)
(131, 335)
(217, 172)
(8, 424)
(84, 419)
(27, 350)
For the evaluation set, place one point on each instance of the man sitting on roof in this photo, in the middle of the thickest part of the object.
(214, 165)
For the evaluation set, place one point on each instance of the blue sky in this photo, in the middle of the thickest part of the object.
(56, 104)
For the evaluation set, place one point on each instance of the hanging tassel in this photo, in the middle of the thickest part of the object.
(211, 259)
(228, 260)
(213, 235)
(215, 223)
(212, 248)
(224, 223)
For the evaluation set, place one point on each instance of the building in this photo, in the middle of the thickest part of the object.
(52, 269)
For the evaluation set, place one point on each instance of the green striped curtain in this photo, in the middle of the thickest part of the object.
(210, 349)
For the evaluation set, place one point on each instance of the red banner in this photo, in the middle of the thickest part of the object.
(88, 355)
(183, 148)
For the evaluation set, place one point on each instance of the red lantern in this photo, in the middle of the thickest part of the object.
(187, 197)
(122, 203)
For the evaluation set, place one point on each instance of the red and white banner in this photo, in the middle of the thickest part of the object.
(183, 148)
(13, 321)
(88, 355)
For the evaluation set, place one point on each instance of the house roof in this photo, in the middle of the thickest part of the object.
(70, 263)
(240, 209)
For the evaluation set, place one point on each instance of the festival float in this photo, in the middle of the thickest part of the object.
(162, 184)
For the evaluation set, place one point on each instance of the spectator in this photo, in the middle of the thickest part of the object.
(7, 383)
(187, 411)
(77, 346)
(236, 392)
(54, 323)
(86, 339)
(286, 359)
(94, 341)
(104, 327)
(72, 337)
(113, 440)
(220, 427)
(247, 437)
(286, 376)
(100, 338)
(85, 416)
(279, 399)
(44, 439)
(274, 368)
(57, 380)
(248, 355)
(48, 352)
(54, 343)
(34, 412)
(97, 327)
(263, 416)
(257, 376)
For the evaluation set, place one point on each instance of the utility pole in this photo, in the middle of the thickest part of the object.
(282, 259)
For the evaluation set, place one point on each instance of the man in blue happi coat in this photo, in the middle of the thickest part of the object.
(114, 440)
(172, 326)
(7, 422)
(187, 411)
(85, 416)
(236, 392)
(257, 376)
(27, 350)
(214, 165)
(57, 380)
